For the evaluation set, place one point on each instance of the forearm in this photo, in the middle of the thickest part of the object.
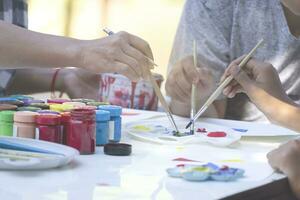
(29, 81)
(276, 110)
(23, 48)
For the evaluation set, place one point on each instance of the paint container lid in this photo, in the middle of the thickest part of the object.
(27, 102)
(25, 116)
(102, 115)
(89, 107)
(58, 101)
(29, 108)
(117, 149)
(21, 97)
(114, 110)
(48, 112)
(40, 105)
(60, 107)
(97, 103)
(65, 117)
(8, 107)
(48, 119)
(83, 100)
(75, 104)
(7, 116)
(11, 101)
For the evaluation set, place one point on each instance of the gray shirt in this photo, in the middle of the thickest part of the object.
(15, 12)
(227, 29)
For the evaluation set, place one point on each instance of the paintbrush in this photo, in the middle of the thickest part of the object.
(109, 32)
(220, 88)
(157, 91)
(193, 96)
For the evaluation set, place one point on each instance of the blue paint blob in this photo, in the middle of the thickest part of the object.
(240, 130)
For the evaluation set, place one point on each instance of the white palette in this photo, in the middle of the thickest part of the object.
(63, 156)
(159, 132)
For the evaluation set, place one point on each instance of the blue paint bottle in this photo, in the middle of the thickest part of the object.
(102, 127)
(114, 122)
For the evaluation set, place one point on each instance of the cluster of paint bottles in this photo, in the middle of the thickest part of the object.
(79, 123)
(209, 171)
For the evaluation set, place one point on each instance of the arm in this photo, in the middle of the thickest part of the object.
(75, 82)
(122, 53)
(262, 84)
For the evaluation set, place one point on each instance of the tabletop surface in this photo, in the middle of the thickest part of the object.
(143, 174)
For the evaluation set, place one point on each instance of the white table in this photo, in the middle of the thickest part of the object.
(142, 175)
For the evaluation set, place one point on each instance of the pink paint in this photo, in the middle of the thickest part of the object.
(201, 130)
(185, 160)
(217, 134)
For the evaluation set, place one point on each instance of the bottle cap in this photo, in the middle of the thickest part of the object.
(7, 116)
(28, 108)
(96, 103)
(117, 149)
(74, 104)
(25, 116)
(58, 101)
(114, 110)
(48, 119)
(8, 107)
(102, 115)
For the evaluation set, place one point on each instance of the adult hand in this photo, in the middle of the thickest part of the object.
(121, 53)
(260, 74)
(286, 159)
(183, 75)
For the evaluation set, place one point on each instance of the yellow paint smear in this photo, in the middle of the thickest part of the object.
(141, 128)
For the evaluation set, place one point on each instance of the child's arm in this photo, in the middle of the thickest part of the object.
(286, 159)
(261, 83)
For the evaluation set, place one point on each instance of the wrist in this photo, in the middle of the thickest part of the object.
(74, 53)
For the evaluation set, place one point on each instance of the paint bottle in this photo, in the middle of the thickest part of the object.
(102, 127)
(97, 103)
(24, 124)
(83, 100)
(114, 122)
(65, 120)
(48, 128)
(6, 123)
(81, 131)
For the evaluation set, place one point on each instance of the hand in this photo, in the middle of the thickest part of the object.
(260, 74)
(78, 83)
(286, 159)
(183, 75)
(121, 53)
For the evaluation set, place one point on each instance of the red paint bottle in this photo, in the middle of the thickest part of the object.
(65, 120)
(49, 128)
(81, 131)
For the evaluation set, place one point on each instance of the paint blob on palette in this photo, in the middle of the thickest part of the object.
(158, 132)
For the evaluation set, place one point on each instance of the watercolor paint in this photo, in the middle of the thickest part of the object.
(209, 171)
(83, 100)
(240, 130)
(27, 102)
(65, 120)
(61, 107)
(21, 97)
(42, 106)
(75, 104)
(97, 103)
(11, 101)
(217, 134)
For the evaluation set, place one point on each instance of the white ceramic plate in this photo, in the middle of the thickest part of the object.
(42, 161)
(159, 132)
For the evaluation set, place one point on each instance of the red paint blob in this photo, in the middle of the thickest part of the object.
(201, 130)
(217, 134)
(224, 167)
(180, 165)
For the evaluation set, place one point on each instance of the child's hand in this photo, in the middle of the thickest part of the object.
(254, 73)
(183, 75)
(286, 159)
